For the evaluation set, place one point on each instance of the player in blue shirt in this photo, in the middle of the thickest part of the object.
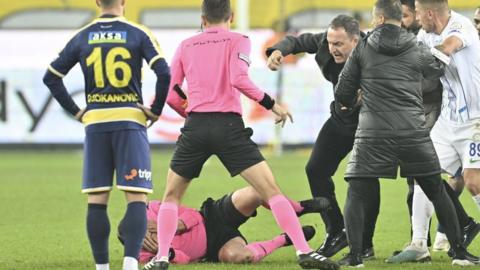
(110, 51)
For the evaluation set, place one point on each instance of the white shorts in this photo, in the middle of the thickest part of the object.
(457, 145)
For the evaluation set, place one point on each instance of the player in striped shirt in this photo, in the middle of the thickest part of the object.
(111, 51)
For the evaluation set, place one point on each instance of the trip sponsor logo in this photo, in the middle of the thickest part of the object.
(142, 174)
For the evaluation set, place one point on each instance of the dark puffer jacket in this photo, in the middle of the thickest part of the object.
(388, 67)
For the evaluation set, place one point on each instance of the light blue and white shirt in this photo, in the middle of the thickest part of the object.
(461, 82)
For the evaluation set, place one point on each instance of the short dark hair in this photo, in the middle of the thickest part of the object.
(434, 2)
(390, 9)
(350, 25)
(108, 3)
(439, 5)
(216, 11)
(409, 3)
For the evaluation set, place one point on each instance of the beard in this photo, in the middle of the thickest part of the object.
(414, 28)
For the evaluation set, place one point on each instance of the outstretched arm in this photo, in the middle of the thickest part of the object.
(457, 39)
(307, 42)
(450, 45)
(239, 79)
(292, 45)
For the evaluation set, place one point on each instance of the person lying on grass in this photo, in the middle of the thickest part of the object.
(211, 234)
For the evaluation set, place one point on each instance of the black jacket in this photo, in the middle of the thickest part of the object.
(317, 44)
(388, 66)
(432, 95)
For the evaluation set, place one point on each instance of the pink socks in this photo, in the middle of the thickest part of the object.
(166, 227)
(296, 205)
(285, 216)
(262, 249)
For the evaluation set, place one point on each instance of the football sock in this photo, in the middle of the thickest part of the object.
(296, 205)
(134, 228)
(130, 263)
(286, 218)
(166, 227)
(422, 211)
(476, 199)
(98, 230)
(105, 266)
(435, 191)
(262, 249)
(440, 236)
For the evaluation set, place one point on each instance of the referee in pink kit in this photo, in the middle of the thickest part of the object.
(215, 65)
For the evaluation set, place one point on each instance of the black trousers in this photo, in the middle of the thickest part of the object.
(333, 144)
(361, 199)
(463, 218)
(411, 184)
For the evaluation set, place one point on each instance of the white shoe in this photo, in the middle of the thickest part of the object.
(415, 252)
(441, 243)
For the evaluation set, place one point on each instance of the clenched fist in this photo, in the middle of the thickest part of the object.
(275, 60)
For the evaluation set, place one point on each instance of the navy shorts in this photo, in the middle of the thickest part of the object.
(125, 152)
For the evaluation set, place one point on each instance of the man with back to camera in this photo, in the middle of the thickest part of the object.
(335, 140)
(391, 132)
(418, 251)
(110, 51)
(215, 65)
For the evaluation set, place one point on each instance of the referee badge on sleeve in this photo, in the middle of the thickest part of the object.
(245, 58)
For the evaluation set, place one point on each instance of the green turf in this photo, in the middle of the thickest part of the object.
(42, 212)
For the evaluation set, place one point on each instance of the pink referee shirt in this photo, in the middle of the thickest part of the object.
(190, 246)
(215, 65)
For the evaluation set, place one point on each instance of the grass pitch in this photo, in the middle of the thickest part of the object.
(42, 212)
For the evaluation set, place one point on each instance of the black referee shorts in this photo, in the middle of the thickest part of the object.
(221, 134)
(222, 221)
